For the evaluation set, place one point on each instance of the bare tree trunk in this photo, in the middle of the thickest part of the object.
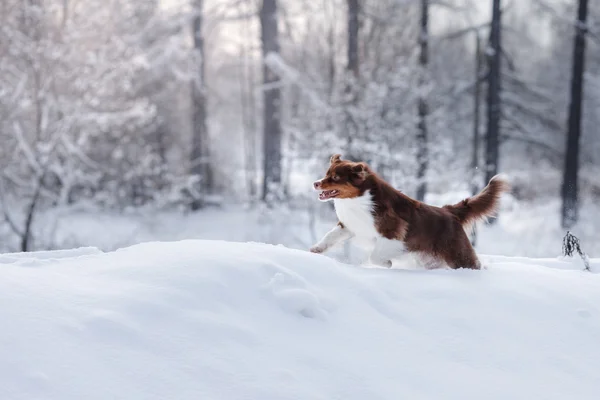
(247, 84)
(200, 155)
(476, 116)
(31, 26)
(423, 109)
(244, 103)
(31, 21)
(26, 236)
(65, 13)
(352, 75)
(272, 102)
(253, 132)
(248, 135)
(353, 29)
(493, 97)
(570, 207)
(331, 47)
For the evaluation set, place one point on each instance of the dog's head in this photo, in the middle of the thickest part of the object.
(343, 180)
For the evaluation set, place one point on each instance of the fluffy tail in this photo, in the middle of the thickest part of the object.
(482, 205)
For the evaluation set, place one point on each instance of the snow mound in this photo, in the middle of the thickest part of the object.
(218, 320)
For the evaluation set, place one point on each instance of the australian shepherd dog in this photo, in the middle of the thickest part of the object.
(391, 223)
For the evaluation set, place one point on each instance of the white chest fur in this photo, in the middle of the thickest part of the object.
(357, 215)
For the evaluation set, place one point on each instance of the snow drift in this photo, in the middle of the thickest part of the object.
(218, 320)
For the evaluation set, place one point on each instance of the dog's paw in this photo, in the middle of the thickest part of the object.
(382, 263)
(317, 249)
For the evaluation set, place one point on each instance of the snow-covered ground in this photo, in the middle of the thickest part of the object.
(221, 320)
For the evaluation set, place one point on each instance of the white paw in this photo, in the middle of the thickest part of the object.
(317, 249)
(382, 263)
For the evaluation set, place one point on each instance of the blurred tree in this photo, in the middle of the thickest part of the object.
(422, 141)
(494, 104)
(247, 98)
(200, 153)
(570, 207)
(352, 78)
(353, 34)
(272, 103)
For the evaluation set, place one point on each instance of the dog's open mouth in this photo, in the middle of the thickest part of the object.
(328, 194)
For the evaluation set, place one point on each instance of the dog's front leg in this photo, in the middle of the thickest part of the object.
(385, 250)
(331, 238)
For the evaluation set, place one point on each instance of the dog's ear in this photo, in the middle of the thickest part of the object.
(361, 171)
(336, 158)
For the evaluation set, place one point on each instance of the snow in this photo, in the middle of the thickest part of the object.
(48, 255)
(524, 229)
(199, 319)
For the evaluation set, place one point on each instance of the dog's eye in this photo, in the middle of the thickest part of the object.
(335, 178)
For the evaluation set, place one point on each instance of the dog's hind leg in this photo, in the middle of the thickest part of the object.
(461, 254)
(385, 250)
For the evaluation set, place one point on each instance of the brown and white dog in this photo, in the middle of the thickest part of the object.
(373, 212)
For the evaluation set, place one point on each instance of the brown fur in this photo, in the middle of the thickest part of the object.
(434, 232)
(484, 204)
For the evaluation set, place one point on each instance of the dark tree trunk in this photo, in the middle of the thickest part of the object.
(353, 29)
(423, 109)
(476, 115)
(331, 48)
(352, 75)
(570, 207)
(26, 236)
(493, 97)
(476, 122)
(200, 155)
(272, 102)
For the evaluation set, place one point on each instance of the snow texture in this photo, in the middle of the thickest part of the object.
(218, 320)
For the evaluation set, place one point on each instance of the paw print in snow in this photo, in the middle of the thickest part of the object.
(294, 297)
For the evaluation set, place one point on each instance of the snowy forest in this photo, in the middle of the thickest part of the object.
(130, 120)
